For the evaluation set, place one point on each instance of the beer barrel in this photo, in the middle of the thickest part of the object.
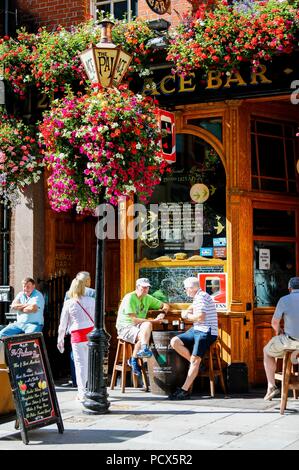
(167, 369)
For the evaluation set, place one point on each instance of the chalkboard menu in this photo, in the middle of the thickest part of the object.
(32, 382)
(167, 283)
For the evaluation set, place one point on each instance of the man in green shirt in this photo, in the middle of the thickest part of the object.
(132, 324)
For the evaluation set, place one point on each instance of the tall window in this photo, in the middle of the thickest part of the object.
(118, 8)
(273, 156)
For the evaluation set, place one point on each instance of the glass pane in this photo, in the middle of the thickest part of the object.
(103, 7)
(255, 183)
(253, 156)
(274, 265)
(290, 154)
(197, 180)
(271, 157)
(212, 125)
(120, 10)
(274, 223)
(289, 131)
(269, 128)
(273, 185)
(292, 187)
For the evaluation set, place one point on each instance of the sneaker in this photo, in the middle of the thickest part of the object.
(180, 395)
(172, 395)
(271, 393)
(133, 363)
(145, 352)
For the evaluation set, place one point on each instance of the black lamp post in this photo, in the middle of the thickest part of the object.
(106, 64)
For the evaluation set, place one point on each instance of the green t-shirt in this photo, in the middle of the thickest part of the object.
(132, 304)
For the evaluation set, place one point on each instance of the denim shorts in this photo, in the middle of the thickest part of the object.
(198, 342)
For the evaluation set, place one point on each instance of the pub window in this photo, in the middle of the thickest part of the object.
(274, 265)
(273, 156)
(197, 182)
(272, 223)
(213, 125)
(120, 9)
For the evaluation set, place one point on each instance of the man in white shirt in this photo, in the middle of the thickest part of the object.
(193, 344)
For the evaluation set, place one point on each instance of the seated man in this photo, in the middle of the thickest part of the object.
(193, 344)
(29, 304)
(132, 324)
(287, 308)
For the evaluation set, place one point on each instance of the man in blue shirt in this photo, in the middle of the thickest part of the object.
(29, 304)
(288, 338)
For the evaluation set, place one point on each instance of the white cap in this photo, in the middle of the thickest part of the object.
(143, 282)
(191, 282)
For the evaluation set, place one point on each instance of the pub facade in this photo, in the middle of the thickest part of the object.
(234, 182)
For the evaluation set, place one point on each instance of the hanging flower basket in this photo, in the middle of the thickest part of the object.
(225, 35)
(104, 143)
(20, 161)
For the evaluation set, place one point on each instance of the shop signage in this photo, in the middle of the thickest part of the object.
(160, 6)
(215, 284)
(267, 79)
(6, 293)
(31, 382)
(167, 125)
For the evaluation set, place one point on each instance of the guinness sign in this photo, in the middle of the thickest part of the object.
(160, 6)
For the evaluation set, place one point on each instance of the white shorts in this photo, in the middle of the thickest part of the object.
(278, 344)
(129, 333)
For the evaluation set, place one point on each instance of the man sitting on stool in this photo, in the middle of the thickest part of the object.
(288, 308)
(133, 326)
(193, 344)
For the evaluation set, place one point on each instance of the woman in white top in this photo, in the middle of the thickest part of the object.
(77, 318)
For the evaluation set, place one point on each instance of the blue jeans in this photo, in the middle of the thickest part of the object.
(198, 342)
(20, 328)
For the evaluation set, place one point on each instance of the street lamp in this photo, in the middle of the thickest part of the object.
(105, 64)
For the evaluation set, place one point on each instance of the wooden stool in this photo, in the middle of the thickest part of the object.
(289, 379)
(123, 353)
(213, 360)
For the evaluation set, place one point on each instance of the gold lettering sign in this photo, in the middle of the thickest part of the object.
(215, 80)
(160, 6)
(105, 60)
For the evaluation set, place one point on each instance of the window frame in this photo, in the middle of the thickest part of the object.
(96, 4)
(257, 176)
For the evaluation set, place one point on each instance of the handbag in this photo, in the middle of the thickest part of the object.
(80, 336)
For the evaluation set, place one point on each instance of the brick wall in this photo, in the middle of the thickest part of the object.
(51, 13)
(177, 8)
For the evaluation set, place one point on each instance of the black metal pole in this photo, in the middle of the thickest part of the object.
(96, 397)
(5, 241)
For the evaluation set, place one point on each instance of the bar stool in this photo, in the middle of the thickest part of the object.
(289, 378)
(123, 353)
(212, 360)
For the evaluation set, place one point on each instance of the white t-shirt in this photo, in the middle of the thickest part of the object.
(203, 302)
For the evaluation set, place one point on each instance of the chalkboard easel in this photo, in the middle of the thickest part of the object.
(32, 383)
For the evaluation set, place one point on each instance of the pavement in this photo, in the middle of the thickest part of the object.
(139, 420)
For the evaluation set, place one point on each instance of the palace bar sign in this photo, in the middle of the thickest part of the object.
(160, 6)
(272, 78)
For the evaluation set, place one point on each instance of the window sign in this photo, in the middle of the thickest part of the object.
(219, 241)
(264, 258)
(215, 285)
(206, 252)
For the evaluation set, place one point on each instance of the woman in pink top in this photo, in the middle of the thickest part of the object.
(77, 318)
